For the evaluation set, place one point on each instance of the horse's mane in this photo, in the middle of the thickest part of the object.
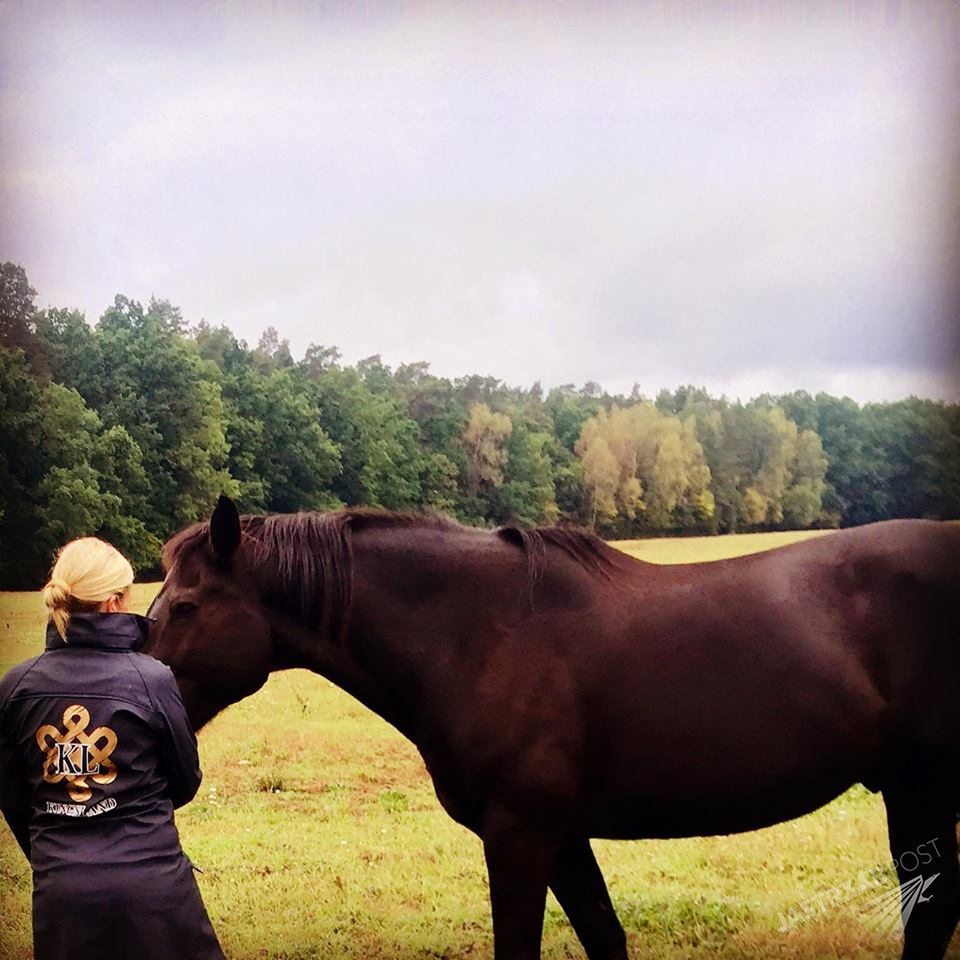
(310, 555)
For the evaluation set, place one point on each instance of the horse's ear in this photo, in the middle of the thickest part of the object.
(225, 528)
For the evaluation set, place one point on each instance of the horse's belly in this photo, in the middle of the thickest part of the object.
(741, 772)
(643, 816)
(726, 742)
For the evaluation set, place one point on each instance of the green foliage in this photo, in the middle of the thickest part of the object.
(382, 462)
(18, 318)
(63, 476)
(22, 465)
(130, 428)
(527, 494)
(138, 371)
(280, 454)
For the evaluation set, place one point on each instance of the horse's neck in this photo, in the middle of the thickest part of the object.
(398, 647)
(297, 646)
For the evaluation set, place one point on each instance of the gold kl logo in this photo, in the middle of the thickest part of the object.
(75, 754)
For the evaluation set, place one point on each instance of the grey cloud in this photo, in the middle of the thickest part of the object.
(558, 198)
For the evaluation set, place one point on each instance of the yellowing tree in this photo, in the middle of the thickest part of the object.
(484, 439)
(659, 465)
(778, 438)
(804, 499)
(754, 506)
(789, 481)
(601, 479)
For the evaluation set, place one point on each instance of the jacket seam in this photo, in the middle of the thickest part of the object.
(102, 647)
(16, 686)
(64, 695)
(146, 687)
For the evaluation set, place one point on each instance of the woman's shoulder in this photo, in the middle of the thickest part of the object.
(13, 678)
(155, 673)
(159, 683)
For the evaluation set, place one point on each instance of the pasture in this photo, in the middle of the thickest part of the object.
(319, 836)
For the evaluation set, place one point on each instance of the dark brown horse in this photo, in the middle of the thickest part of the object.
(560, 690)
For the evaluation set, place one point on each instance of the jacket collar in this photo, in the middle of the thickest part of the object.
(107, 631)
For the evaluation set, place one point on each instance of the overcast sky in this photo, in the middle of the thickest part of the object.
(751, 201)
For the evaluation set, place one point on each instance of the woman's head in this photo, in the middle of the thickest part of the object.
(88, 575)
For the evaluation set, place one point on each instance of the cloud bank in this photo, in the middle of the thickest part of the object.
(763, 200)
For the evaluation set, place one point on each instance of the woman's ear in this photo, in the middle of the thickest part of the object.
(115, 604)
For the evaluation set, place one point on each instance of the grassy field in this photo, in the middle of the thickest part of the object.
(319, 836)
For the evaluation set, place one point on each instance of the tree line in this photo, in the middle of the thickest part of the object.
(129, 430)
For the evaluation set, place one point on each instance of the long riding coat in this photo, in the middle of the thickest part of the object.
(95, 753)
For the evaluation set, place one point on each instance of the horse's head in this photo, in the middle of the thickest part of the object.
(209, 624)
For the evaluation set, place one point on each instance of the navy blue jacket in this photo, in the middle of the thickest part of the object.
(96, 751)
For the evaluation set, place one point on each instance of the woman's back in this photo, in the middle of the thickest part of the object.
(96, 751)
(102, 741)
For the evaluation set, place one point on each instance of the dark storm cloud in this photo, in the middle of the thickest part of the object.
(756, 203)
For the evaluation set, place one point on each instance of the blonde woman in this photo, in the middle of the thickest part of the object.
(95, 754)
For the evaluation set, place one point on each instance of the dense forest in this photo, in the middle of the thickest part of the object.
(129, 430)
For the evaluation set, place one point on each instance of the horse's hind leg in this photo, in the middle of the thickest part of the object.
(921, 821)
(578, 884)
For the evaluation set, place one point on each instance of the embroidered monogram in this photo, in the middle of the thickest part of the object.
(74, 755)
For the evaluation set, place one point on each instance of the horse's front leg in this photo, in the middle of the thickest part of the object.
(520, 858)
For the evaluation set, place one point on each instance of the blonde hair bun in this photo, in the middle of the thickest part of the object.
(56, 594)
(86, 572)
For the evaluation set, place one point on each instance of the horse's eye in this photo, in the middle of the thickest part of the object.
(183, 609)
